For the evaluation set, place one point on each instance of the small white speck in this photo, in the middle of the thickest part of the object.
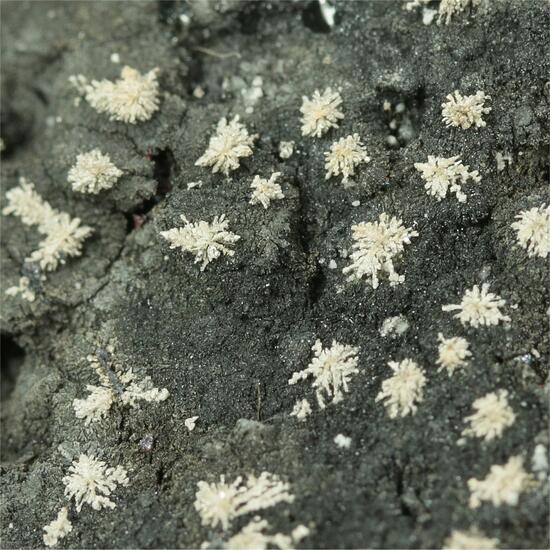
(343, 441)
(286, 149)
(428, 16)
(539, 462)
(327, 11)
(356, 203)
(198, 92)
(501, 159)
(332, 264)
(115, 58)
(190, 422)
(185, 20)
(394, 326)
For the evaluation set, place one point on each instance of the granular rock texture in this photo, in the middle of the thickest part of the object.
(225, 341)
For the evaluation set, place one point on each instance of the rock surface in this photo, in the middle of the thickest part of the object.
(225, 341)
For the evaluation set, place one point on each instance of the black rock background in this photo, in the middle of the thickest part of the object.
(225, 342)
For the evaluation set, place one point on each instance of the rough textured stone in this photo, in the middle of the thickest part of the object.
(225, 342)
